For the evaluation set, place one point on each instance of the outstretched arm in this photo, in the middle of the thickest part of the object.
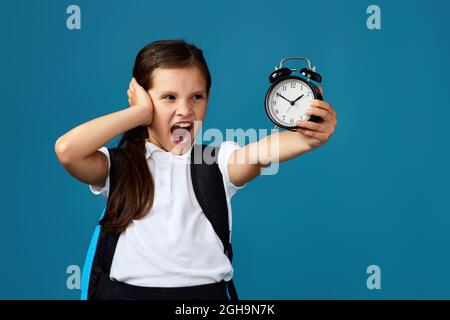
(247, 163)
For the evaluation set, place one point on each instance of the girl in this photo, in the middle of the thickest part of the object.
(166, 244)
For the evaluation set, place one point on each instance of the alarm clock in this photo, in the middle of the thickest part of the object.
(290, 95)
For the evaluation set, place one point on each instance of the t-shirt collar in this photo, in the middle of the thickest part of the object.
(151, 148)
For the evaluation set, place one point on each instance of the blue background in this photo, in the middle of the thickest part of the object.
(377, 193)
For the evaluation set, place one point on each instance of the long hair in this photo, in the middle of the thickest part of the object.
(132, 197)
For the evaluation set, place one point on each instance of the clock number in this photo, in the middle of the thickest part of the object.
(274, 102)
(292, 121)
(293, 84)
(284, 87)
(283, 117)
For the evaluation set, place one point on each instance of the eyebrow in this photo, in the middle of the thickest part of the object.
(163, 93)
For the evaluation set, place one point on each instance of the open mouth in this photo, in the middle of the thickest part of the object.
(181, 132)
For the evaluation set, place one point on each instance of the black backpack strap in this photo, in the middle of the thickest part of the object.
(210, 193)
(107, 241)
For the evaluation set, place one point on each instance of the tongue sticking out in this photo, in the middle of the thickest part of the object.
(180, 134)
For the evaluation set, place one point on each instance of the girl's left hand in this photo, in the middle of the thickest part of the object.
(317, 134)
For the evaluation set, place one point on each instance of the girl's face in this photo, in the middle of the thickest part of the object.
(179, 99)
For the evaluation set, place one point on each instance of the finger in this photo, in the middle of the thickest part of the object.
(135, 83)
(324, 114)
(129, 102)
(324, 105)
(313, 126)
(329, 112)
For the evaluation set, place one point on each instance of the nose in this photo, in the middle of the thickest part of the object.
(184, 108)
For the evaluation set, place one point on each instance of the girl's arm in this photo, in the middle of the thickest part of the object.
(248, 162)
(77, 150)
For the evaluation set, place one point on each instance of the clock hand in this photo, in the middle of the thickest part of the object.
(293, 102)
(284, 98)
(298, 98)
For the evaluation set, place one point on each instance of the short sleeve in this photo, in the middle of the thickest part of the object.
(226, 148)
(105, 189)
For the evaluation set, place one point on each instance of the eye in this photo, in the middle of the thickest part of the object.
(169, 96)
(199, 96)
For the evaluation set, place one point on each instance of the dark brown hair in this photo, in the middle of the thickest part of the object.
(132, 197)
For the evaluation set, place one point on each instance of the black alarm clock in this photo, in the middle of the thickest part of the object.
(290, 95)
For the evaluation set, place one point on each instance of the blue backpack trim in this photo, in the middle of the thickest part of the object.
(89, 260)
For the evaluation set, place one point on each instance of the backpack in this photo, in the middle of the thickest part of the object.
(210, 193)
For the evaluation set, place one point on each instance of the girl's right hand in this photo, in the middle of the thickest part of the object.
(137, 96)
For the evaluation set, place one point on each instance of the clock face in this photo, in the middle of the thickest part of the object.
(288, 100)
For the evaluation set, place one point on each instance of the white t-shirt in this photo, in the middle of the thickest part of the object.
(174, 245)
